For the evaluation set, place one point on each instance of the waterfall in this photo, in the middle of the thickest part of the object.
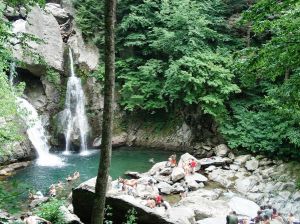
(12, 73)
(74, 113)
(36, 134)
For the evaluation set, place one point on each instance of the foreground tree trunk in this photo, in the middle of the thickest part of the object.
(106, 146)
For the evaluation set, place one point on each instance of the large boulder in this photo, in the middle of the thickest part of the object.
(245, 184)
(83, 197)
(205, 208)
(49, 48)
(165, 188)
(58, 12)
(244, 207)
(186, 158)
(241, 160)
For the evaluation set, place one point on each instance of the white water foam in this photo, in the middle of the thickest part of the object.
(36, 134)
(74, 113)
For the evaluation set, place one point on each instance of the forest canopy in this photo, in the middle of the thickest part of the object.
(237, 60)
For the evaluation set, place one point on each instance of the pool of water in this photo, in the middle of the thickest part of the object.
(123, 159)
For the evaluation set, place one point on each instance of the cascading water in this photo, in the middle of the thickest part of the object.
(36, 134)
(74, 113)
(35, 129)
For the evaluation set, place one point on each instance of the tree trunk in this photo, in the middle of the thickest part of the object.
(106, 146)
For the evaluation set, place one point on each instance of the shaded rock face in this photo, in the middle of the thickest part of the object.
(19, 151)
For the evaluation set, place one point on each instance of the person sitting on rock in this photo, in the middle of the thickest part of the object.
(279, 218)
(193, 165)
(232, 218)
(186, 168)
(274, 214)
(150, 203)
(258, 218)
(158, 199)
(132, 182)
(291, 218)
(52, 191)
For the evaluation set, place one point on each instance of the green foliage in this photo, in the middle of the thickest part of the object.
(266, 117)
(131, 217)
(174, 58)
(108, 215)
(10, 194)
(26, 3)
(51, 212)
(90, 18)
(9, 125)
(53, 76)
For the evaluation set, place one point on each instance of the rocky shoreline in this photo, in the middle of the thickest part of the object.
(229, 183)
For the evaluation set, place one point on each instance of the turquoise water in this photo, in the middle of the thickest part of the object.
(123, 159)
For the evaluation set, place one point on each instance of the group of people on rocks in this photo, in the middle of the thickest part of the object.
(54, 187)
(266, 215)
(188, 167)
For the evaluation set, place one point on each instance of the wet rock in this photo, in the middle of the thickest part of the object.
(252, 164)
(177, 174)
(221, 150)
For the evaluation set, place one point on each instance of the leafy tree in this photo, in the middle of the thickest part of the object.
(174, 53)
(265, 118)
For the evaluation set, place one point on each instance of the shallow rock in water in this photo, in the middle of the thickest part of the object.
(177, 174)
(8, 170)
(244, 207)
(252, 164)
(221, 150)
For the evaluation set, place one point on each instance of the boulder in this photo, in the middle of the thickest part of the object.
(185, 158)
(182, 215)
(177, 188)
(222, 177)
(164, 188)
(221, 150)
(252, 164)
(18, 26)
(177, 174)
(43, 26)
(214, 160)
(156, 168)
(68, 217)
(205, 208)
(196, 177)
(83, 197)
(166, 171)
(210, 168)
(241, 160)
(37, 202)
(58, 12)
(244, 185)
(243, 207)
